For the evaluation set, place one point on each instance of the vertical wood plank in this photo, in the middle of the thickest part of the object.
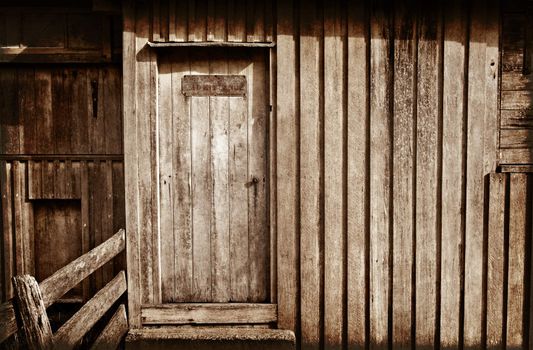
(473, 284)
(311, 177)
(492, 88)
(453, 180)
(80, 112)
(107, 214)
(255, 20)
(20, 249)
(182, 31)
(428, 172)
(61, 118)
(201, 203)
(197, 20)
(172, 20)
(380, 173)
(516, 284)
(257, 120)
(238, 157)
(182, 167)
(357, 174)
(219, 115)
(85, 223)
(113, 111)
(143, 125)
(27, 89)
(34, 179)
(7, 227)
(334, 176)
(10, 129)
(236, 20)
(286, 177)
(43, 110)
(129, 52)
(496, 260)
(10, 122)
(403, 183)
(166, 182)
(48, 179)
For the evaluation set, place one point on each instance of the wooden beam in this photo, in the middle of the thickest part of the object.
(69, 335)
(32, 311)
(55, 286)
(259, 45)
(8, 321)
(113, 332)
(216, 313)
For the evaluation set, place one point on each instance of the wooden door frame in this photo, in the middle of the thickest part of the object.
(139, 58)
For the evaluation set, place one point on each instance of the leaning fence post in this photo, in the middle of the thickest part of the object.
(32, 311)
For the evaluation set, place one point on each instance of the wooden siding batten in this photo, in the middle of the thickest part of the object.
(131, 165)
(357, 125)
(452, 175)
(428, 159)
(404, 149)
(311, 224)
(380, 174)
(473, 245)
(334, 157)
(287, 232)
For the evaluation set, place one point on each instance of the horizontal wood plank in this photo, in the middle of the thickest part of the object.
(216, 313)
(516, 156)
(55, 286)
(8, 321)
(516, 138)
(520, 99)
(69, 335)
(513, 118)
(211, 44)
(113, 332)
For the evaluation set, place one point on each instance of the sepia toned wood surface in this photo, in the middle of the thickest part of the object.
(213, 171)
(383, 134)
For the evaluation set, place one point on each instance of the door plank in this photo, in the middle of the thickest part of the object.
(166, 182)
(257, 178)
(182, 175)
(201, 202)
(219, 114)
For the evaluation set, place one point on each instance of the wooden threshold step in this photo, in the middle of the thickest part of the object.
(215, 338)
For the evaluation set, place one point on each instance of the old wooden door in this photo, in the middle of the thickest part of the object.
(212, 144)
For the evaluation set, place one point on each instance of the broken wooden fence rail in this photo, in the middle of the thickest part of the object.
(8, 321)
(32, 300)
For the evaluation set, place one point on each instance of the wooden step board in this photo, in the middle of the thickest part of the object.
(215, 338)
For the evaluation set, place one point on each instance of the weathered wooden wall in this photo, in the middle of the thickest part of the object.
(61, 171)
(384, 131)
(516, 136)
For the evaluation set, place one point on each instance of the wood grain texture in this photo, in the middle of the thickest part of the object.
(496, 260)
(334, 174)
(212, 313)
(380, 174)
(70, 275)
(311, 223)
(453, 179)
(357, 210)
(286, 177)
(428, 174)
(518, 209)
(113, 333)
(475, 172)
(405, 45)
(70, 333)
(32, 313)
(8, 321)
